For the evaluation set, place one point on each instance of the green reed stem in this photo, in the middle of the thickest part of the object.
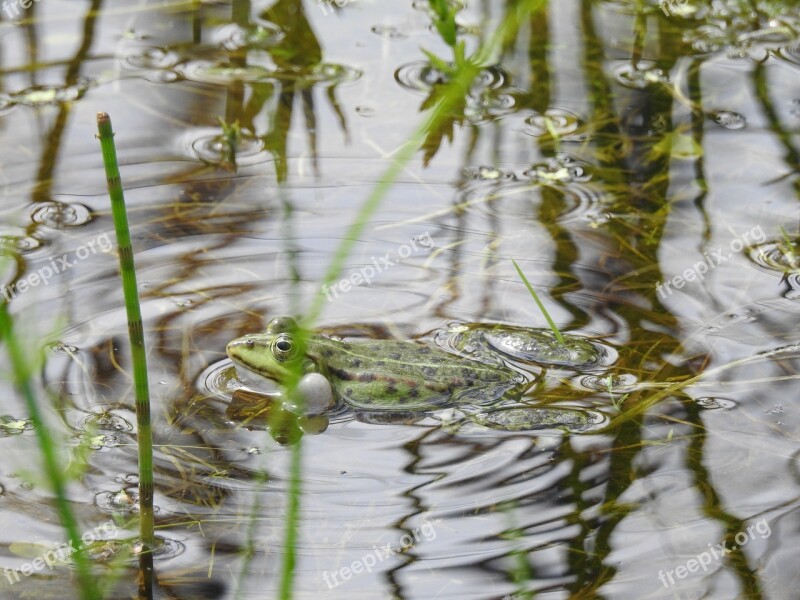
(135, 331)
(54, 470)
(533, 293)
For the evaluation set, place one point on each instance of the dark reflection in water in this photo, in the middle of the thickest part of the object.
(607, 147)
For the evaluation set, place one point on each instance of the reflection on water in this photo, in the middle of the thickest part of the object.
(607, 147)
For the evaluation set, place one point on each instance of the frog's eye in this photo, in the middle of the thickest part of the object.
(284, 348)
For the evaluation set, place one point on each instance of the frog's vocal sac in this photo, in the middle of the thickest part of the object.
(375, 374)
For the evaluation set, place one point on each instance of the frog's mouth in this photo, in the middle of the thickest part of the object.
(255, 380)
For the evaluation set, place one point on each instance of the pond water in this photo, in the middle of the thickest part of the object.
(638, 160)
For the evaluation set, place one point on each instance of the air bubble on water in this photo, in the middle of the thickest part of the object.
(486, 173)
(730, 120)
(60, 215)
(713, 403)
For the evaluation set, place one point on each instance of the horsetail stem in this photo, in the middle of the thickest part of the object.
(135, 332)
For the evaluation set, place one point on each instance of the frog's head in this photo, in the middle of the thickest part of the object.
(274, 354)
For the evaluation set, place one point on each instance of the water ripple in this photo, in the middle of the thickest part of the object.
(557, 122)
(776, 257)
(60, 215)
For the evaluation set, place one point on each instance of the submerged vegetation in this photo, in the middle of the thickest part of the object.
(613, 162)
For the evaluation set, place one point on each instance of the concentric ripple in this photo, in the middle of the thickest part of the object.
(319, 74)
(18, 243)
(108, 422)
(258, 36)
(44, 95)
(560, 170)
(776, 257)
(714, 403)
(739, 32)
(640, 76)
(555, 122)
(485, 173)
(790, 53)
(421, 76)
(223, 73)
(213, 147)
(61, 215)
(492, 189)
(125, 500)
(622, 383)
(151, 58)
(490, 94)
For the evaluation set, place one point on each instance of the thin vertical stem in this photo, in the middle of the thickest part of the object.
(138, 357)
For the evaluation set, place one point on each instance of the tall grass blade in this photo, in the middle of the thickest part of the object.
(550, 321)
(55, 472)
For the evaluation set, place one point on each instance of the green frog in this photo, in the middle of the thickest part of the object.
(376, 375)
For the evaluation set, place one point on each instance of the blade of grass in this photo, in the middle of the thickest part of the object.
(457, 88)
(550, 321)
(138, 356)
(54, 471)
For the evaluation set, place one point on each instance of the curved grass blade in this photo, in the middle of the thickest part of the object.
(550, 321)
(55, 472)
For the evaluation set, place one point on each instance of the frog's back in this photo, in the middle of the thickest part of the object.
(400, 375)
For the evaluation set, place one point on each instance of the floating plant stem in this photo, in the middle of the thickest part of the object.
(550, 321)
(788, 248)
(55, 471)
(135, 333)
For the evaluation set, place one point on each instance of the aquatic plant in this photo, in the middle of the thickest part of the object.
(138, 355)
(535, 297)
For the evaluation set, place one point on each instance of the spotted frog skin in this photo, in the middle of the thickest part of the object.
(375, 374)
